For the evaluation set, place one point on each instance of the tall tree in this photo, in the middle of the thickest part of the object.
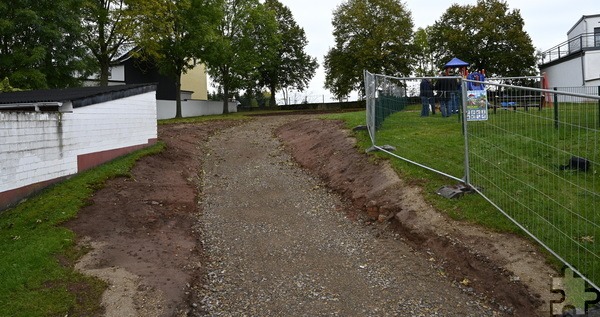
(374, 35)
(424, 57)
(291, 67)
(488, 35)
(40, 43)
(109, 31)
(247, 38)
(176, 34)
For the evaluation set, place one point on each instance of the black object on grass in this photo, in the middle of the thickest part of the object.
(577, 163)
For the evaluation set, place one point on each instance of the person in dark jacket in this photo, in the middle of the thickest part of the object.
(427, 97)
(446, 88)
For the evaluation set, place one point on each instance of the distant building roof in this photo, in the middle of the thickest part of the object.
(126, 54)
(79, 97)
(583, 17)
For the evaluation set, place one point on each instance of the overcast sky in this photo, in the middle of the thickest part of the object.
(546, 22)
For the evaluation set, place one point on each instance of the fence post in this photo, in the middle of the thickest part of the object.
(598, 107)
(555, 109)
(467, 179)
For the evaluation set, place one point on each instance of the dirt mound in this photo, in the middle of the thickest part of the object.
(494, 265)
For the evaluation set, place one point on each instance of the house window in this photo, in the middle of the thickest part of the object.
(596, 37)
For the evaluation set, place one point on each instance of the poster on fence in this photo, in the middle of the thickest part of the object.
(477, 105)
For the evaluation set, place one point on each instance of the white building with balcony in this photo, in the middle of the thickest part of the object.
(576, 62)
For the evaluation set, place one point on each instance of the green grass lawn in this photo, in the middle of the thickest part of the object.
(514, 160)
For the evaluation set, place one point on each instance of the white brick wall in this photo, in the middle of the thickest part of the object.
(40, 146)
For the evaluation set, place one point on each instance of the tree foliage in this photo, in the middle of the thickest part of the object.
(5, 86)
(246, 39)
(109, 32)
(373, 35)
(424, 53)
(291, 67)
(176, 34)
(487, 35)
(40, 43)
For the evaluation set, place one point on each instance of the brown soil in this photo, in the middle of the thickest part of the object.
(142, 229)
(147, 245)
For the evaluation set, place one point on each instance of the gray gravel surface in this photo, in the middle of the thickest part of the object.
(279, 243)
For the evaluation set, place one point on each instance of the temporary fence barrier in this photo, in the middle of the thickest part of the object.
(533, 153)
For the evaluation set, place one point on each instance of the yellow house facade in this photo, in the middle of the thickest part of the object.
(196, 80)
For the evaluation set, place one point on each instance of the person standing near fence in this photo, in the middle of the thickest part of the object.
(427, 100)
(446, 88)
(455, 96)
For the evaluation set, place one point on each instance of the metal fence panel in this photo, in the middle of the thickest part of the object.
(536, 157)
(371, 96)
(537, 161)
(394, 105)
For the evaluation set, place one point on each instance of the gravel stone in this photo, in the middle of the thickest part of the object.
(279, 243)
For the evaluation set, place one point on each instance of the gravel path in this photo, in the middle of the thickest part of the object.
(279, 244)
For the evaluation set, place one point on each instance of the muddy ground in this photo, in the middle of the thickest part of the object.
(147, 241)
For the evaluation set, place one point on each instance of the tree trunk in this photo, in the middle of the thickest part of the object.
(225, 98)
(225, 73)
(104, 69)
(178, 95)
(103, 56)
(272, 98)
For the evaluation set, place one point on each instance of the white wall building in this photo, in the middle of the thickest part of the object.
(575, 62)
(47, 135)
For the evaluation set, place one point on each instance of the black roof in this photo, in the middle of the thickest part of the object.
(81, 96)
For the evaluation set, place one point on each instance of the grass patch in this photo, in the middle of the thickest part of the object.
(37, 254)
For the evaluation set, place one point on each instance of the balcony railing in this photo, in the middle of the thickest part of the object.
(574, 45)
